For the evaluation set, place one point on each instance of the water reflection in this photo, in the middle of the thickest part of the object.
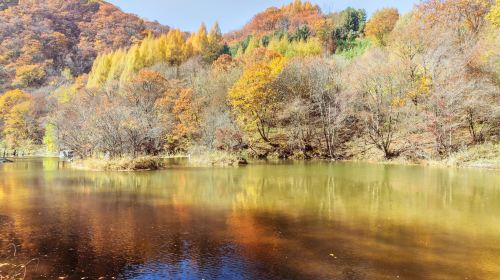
(287, 221)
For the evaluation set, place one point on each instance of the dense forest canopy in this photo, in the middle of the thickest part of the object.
(288, 18)
(41, 39)
(293, 83)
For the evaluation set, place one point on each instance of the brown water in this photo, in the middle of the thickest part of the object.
(264, 221)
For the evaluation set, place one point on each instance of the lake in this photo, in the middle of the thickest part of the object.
(290, 220)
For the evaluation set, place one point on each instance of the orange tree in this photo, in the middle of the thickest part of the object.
(381, 24)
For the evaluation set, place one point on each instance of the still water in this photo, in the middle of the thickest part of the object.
(263, 221)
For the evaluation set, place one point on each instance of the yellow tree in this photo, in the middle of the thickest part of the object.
(100, 70)
(381, 24)
(177, 50)
(199, 40)
(16, 128)
(279, 45)
(133, 63)
(239, 53)
(14, 109)
(147, 50)
(253, 98)
(10, 99)
(253, 44)
(50, 138)
(29, 75)
(494, 15)
(117, 67)
(215, 44)
(304, 48)
(215, 35)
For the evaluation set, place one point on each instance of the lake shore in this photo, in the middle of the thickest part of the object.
(151, 163)
(147, 163)
(160, 163)
(485, 156)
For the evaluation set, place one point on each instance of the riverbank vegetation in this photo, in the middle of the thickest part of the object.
(294, 83)
(142, 163)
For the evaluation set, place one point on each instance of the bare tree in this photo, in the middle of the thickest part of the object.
(315, 102)
(378, 82)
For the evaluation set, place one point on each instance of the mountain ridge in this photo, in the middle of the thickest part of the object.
(41, 39)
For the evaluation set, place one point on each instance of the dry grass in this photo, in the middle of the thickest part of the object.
(480, 156)
(121, 164)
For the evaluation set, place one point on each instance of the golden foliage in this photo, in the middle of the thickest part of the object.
(55, 35)
(494, 15)
(29, 75)
(289, 18)
(381, 24)
(252, 97)
(14, 108)
(468, 14)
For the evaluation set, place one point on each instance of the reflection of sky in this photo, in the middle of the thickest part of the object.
(225, 265)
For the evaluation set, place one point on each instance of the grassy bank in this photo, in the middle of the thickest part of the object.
(121, 164)
(485, 156)
(481, 156)
(148, 163)
(216, 159)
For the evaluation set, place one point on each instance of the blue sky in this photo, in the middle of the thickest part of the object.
(233, 14)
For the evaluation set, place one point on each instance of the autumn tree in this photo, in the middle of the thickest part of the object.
(214, 46)
(199, 40)
(54, 35)
(122, 65)
(177, 50)
(29, 76)
(287, 18)
(100, 70)
(455, 14)
(339, 30)
(254, 99)
(124, 123)
(381, 24)
(290, 49)
(187, 116)
(494, 15)
(142, 126)
(218, 129)
(318, 106)
(14, 114)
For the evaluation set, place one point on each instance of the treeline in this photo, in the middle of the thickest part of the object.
(171, 49)
(420, 86)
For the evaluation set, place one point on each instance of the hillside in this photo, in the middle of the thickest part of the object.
(4, 4)
(40, 39)
(287, 18)
(293, 83)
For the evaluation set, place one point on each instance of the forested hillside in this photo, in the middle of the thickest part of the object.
(41, 39)
(293, 83)
(288, 18)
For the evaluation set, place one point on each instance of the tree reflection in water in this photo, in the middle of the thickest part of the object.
(273, 221)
